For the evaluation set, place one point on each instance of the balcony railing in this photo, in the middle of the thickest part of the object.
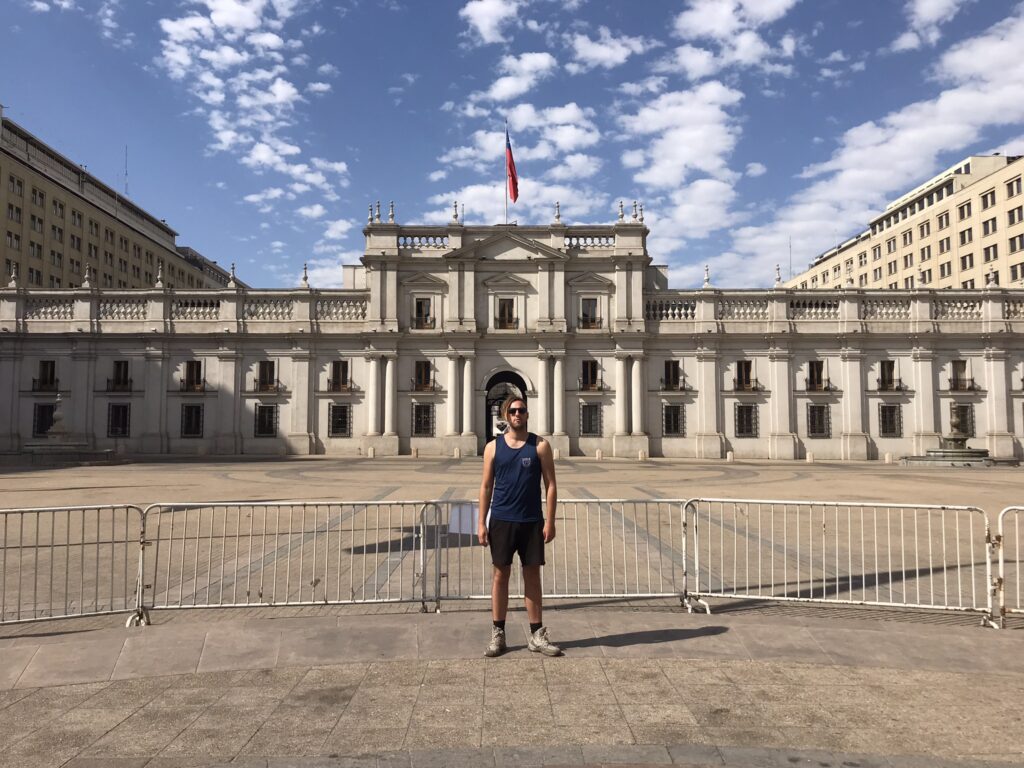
(746, 385)
(506, 323)
(192, 385)
(423, 323)
(45, 385)
(263, 385)
(588, 323)
(423, 386)
(818, 385)
(675, 385)
(339, 385)
(119, 385)
(960, 384)
(891, 385)
(590, 385)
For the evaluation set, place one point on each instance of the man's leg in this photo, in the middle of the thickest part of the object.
(534, 596)
(499, 592)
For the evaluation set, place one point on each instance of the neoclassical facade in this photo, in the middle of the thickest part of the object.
(438, 324)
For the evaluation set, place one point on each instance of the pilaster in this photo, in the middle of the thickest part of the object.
(998, 439)
(853, 436)
(228, 434)
(300, 433)
(782, 437)
(710, 441)
(926, 422)
(154, 416)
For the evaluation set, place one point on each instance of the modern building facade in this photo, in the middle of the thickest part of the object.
(438, 324)
(58, 220)
(961, 229)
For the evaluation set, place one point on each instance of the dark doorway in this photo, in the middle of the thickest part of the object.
(500, 386)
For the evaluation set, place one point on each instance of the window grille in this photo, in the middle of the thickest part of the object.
(673, 421)
(966, 412)
(890, 420)
(340, 421)
(422, 420)
(191, 421)
(746, 420)
(42, 419)
(819, 421)
(590, 420)
(266, 421)
(119, 420)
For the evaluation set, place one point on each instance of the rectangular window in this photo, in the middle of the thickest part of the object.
(76, 218)
(967, 285)
(862, 280)
(908, 260)
(990, 252)
(892, 267)
(1013, 187)
(58, 209)
(1015, 215)
(988, 199)
(588, 375)
(672, 378)
(964, 211)
(815, 376)
(746, 420)
(120, 382)
(908, 282)
(422, 419)
(946, 269)
(423, 380)
(958, 375)
(57, 233)
(507, 314)
(13, 241)
(339, 377)
(57, 259)
(988, 226)
(966, 236)
(890, 245)
(119, 419)
(191, 420)
(965, 413)
(14, 213)
(588, 313)
(193, 381)
(42, 419)
(590, 419)
(1016, 243)
(15, 186)
(926, 253)
(35, 223)
(876, 252)
(908, 238)
(38, 197)
(422, 318)
(267, 380)
(862, 259)
(744, 373)
(1016, 272)
(925, 229)
(890, 420)
(876, 273)
(926, 276)
(672, 421)
(943, 220)
(266, 421)
(967, 261)
(340, 420)
(819, 424)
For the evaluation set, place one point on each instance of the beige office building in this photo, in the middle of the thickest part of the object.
(58, 221)
(961, 229)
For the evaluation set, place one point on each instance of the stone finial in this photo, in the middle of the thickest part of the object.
(707, 277)
(304, 283)
(87, 280)
(634, 211)
(376, 214)
(455, 211)
(232, 283)
(778, 277)
(369, 214)
(558, 212)
(462, 213)
(391, 212)
(641, 219)
(13, 282)
(990, 278)
(159, 275)
(622, 212)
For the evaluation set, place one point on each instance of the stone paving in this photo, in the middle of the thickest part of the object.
(642, 683)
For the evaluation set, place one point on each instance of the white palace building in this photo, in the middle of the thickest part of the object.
(439, 323)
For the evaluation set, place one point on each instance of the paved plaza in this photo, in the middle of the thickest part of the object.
(642, 682)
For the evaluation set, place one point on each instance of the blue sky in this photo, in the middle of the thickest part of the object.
(262, 129)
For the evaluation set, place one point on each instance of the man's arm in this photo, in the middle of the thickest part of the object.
(486, 487)
(547, 469)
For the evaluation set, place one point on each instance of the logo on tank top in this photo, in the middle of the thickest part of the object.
(526, 461)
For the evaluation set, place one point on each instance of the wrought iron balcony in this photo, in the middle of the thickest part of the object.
(192, 385)
(590, 385)
(675, 385)
(339, 385)
(818, 385)
(588, 323)
(424, 323)
(891, 385)
(506, 323)
(45, 385)
(119, 385)
(423, 386)
(960, 384)
(264, 385)
(746, 385)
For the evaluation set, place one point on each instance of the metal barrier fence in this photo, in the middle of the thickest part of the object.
(302, 553)
(1009, 543)
(602, 548)
(68, 561)
(860, 553)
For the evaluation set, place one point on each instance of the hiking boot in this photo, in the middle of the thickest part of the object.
(497, 645)
(539, 643)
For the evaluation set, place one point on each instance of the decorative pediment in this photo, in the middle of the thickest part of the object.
(424, 281)
(507, 246)
(506, 281)
(589, 281)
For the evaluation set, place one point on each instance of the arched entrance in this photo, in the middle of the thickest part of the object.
(500, 386)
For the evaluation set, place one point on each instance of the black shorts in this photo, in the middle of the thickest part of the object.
(508, 538)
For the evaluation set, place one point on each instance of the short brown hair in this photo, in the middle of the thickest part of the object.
(508, 404)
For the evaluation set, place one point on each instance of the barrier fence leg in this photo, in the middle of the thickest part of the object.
(140, 617)
(993, 545)
(438, 551)
(422, 575)
(686, 599)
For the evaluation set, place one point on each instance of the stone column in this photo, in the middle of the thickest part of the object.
(372, 397)
(541, 421)
(154, 418)
(998, 438)
(9, 413)
(559, 399)
(639, 394)
(621, 397)
(467, 397)
(926, 426)
(453, 395)
(390, 395)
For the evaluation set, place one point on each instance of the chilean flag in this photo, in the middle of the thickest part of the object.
(510, 170)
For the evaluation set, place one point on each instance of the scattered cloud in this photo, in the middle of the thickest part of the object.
(314, 211)
(519, 74)
(486, 18)
(336, 230)
(575, 166)
(756, 169)
(924, 22)
(607, 51)
(319, 87)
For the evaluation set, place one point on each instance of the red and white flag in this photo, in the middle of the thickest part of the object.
(510, 170)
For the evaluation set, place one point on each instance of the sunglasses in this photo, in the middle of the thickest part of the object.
(514, 411)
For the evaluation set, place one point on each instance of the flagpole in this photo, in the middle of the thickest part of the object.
(506, 174)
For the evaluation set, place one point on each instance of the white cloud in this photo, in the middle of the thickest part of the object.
(653, 84)
(327, 70)
(38, 6)
(327, 273)
(259, 198)
(520, 75)
(756, 169)
(438, 175)
(575, 166)
(924, 20)
(485, 203)
(336, 230)
(265, 40)
(607, 51)
(319, 87)
(224, 57)
(487, 17)
(311, 211)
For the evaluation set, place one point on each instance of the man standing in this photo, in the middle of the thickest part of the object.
(513, 466)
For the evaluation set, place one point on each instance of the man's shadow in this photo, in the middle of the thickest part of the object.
(643, 637)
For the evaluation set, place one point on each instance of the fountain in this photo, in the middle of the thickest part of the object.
(954, 451)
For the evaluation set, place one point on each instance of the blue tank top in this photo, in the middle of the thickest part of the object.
(516, 496)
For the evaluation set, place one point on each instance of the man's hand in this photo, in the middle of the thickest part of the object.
(549, 532)
(481, 534)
